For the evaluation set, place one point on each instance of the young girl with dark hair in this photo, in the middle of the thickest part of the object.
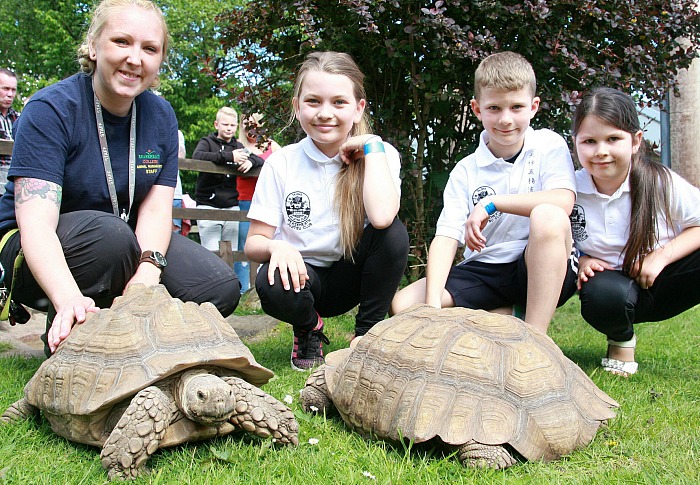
(638, 224)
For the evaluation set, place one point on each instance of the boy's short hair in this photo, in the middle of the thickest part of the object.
(504, 70)
(228, 112)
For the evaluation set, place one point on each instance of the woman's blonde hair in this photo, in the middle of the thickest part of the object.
(102, 12)
(348, 192)
(243, 129)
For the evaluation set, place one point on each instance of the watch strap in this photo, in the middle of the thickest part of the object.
(153, 258)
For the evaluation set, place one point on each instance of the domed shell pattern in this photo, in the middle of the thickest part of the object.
(117, 353)
(462, 374)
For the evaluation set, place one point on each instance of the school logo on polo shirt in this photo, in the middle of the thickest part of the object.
(480, 193)
(578, 223)
(298, 207)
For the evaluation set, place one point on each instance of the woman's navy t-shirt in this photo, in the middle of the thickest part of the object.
(57, 141)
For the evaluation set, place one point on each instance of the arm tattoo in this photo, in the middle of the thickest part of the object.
(29, 188)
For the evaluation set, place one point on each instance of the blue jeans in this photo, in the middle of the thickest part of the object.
(177, 223)
(242, 268)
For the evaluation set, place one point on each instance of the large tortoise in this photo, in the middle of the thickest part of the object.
(151, 372)
(481, 382)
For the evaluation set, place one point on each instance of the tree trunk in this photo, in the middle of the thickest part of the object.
(685, 124)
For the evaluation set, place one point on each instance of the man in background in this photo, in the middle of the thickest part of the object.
(8, 116)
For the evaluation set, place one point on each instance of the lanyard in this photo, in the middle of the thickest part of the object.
(108, 164)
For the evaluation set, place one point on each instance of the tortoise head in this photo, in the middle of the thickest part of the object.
(205, 398)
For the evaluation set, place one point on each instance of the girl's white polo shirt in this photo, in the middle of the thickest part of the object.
(295, 193)
(600, 223)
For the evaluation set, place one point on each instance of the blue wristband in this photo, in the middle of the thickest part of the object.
(374, 147)
(488, 205)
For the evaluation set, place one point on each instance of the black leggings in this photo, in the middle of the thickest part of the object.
(612, 302)
(370, 281)
(102, 254)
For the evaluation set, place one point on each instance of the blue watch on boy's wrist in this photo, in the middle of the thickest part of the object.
(488, 205)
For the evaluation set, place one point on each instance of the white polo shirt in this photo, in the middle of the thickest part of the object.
(600, 223)
(543, 164)
(295, 193)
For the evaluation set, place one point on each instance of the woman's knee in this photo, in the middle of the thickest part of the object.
(101, 251)
(286, 305)
(224, 297)
(98, 232)
(195, 274)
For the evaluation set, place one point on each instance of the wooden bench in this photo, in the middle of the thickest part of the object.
(225, 251)
(6, 147)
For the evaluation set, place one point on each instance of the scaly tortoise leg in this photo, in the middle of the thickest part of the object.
(261, 414)
(18, 411)
(315, 395)
(479, 455)
(138, 433)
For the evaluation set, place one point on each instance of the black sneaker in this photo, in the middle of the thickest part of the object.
(307, 352)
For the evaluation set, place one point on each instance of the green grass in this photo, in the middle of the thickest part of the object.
(654, 439)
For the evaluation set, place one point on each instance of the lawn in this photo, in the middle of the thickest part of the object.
(654, 439)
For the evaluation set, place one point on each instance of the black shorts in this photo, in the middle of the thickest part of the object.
(487, 286)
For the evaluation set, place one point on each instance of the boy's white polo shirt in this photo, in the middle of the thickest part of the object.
(544, 163)
(600, 223)
(295, 193)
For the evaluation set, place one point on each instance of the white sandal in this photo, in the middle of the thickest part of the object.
(619, 367)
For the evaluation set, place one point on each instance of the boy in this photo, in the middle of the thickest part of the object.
(508, 203)
(219, 190)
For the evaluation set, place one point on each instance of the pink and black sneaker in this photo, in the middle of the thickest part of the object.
(307, 352)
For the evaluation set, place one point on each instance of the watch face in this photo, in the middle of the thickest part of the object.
(154, 257)
(159, 258)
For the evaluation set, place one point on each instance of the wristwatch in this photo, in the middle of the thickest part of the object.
(155, 258)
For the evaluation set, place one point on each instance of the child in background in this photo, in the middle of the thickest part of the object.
(248, 136)
(509, 203)
(638, 224)
(216, 190)
(323, 216)
(177, 197)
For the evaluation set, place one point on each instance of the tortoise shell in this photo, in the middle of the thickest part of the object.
(461, 375)
(145, 337)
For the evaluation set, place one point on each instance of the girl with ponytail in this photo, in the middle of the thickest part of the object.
(323, 215)
(638, 224)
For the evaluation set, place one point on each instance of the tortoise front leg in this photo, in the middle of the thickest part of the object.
(19, 410)
(315, 397)
(261, 414)
(479, 455)
(138, 433)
